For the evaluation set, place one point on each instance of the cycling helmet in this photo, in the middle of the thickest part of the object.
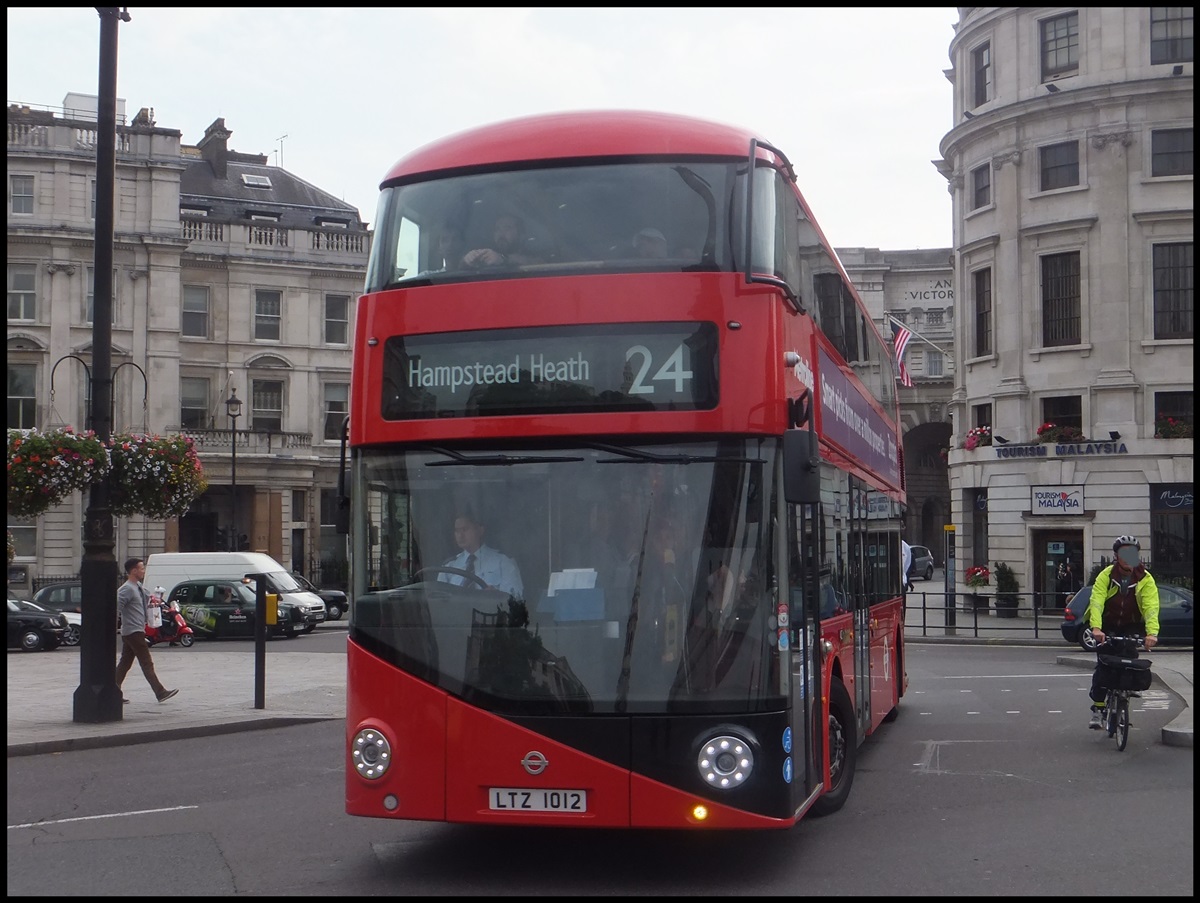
(1126, 540)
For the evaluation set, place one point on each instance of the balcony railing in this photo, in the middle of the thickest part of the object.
(254, 236)
(249, 442)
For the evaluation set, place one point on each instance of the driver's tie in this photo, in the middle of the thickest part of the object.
(470, 569)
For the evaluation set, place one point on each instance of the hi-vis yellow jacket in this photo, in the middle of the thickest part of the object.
(1145, 593)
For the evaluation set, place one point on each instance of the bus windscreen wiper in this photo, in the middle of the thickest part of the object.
(494, 460)
(630, 454)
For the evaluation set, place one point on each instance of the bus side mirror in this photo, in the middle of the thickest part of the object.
(801, 467)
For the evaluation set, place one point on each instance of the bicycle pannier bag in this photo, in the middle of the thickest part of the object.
(1118, 673)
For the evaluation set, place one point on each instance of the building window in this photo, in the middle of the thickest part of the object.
(981, 415)
(337, 319)
(1060, 165)
(1170, 34)
(193, 403)
(1174, 290)
(1063, 410)
(337, 406)
(94, 199)
(22, 195)
(981, 66)
(983, 311)
(22, 291)
(933, 317)
(1171, 152)
(89, 312)
(1172, 533)
(193, 321)
(1177, 406)
(1061, 300)
(266, 403)
(1060, 46)
(22, 396)
(253, 181)
(268, 313)
(24, 534)
(299, 505)
(981, 186)
(935, 363)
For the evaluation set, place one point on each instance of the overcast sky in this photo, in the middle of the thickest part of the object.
(855, 97)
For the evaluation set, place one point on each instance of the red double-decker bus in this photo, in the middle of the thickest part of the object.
(625, 487)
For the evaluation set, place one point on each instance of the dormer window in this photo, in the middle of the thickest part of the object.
(253, 181)
(193, 211)
(333, 223)
(262, 217)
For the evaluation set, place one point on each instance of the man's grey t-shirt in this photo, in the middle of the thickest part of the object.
(131, 606)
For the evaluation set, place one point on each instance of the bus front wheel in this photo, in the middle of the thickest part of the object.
(842, 743)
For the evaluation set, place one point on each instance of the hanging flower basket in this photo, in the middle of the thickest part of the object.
(44, 467)
(155, 476)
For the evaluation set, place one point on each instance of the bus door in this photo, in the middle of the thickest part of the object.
(861, 601)
(806, 584)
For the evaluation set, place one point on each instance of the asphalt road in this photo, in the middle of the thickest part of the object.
(989, 783)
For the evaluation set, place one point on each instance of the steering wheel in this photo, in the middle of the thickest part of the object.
(467, 575)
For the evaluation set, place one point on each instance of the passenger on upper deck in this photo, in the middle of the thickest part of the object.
(507, 247)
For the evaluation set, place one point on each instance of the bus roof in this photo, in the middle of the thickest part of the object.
(589, 133)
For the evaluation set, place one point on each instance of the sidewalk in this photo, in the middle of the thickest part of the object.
(216, 688)
(216, 696)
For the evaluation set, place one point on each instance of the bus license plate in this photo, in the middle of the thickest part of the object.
(524, 799)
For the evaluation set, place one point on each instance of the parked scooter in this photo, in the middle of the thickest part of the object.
(165, 623)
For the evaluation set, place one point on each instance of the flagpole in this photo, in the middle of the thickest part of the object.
(916, 334)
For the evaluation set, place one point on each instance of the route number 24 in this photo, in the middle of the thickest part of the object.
(671, 371)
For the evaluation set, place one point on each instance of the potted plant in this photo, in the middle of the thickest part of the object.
(45, 466)
(977, 578)
(155, 476)
(977, 436)
(1006, 591)
(1051, 432)
(1172, 428)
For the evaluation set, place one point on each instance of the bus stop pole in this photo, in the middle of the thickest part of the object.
(951, 602)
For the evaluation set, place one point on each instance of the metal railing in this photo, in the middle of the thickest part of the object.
(1037, 615)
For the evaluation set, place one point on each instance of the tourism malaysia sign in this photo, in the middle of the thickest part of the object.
(1056, 499)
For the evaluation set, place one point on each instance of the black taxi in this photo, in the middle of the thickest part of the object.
(226, 608)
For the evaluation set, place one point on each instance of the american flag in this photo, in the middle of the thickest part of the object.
(900, 338)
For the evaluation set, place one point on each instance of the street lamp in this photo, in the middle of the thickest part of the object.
(233, 407)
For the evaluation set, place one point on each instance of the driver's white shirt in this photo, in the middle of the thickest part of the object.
(493, 567)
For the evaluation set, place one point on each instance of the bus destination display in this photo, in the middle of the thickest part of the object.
(551, 370)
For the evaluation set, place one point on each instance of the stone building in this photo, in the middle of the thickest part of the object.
(916, 288)
(230, 276)
(1071, 169)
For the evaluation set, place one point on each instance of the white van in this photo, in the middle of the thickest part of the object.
(168, 569)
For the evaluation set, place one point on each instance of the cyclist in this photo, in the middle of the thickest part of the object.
(1124, 601)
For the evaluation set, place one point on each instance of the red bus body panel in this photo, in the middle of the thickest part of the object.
(450, 753)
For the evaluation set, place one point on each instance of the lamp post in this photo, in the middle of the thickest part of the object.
(97, 699)
(233, 407)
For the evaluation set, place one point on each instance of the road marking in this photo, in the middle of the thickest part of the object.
(63, 821)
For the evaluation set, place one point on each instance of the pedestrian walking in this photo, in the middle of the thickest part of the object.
(132, 600)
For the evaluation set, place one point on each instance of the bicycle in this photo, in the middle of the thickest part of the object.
(1122, 674)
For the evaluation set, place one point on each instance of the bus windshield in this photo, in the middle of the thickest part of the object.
(629, 217)
(587, 578)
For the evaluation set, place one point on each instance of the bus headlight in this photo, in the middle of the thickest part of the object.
(371, 753)
(725, 762)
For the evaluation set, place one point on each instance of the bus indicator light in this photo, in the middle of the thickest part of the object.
(700, 813)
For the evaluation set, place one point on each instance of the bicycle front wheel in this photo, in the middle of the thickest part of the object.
(1122, 723)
